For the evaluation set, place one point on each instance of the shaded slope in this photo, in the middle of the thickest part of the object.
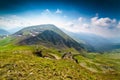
(51, 38)
(48, 35)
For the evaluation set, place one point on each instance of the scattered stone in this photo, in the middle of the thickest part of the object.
(67, 55)
(70, 56)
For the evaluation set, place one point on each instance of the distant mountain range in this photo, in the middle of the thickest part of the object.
(3, 32)
(98, 43)
(47, 35)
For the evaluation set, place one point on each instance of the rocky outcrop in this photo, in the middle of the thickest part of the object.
(70, 56)
(67, 55)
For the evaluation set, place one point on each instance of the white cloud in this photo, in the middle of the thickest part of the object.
(77, 25)
(118, 26)
(12, 21)
(103, 22)
(46, 12)
(105, 27)
(81, 19)
(58, 11)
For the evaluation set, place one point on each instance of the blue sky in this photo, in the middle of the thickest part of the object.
(107, 8)
(100, 17)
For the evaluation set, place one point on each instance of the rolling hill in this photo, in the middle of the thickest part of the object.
(48, 35)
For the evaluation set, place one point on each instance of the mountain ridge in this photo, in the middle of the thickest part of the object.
(48, 35)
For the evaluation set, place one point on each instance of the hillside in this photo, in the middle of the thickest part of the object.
(18, 62)
(47, 35)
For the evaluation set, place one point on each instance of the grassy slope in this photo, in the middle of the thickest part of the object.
(18, 65)
(18, 62)
(106, 65)
(23, 66)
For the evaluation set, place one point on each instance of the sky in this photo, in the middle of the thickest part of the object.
(100, 17)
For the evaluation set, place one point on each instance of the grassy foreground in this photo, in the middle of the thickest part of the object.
(23, 66)
(18, 63)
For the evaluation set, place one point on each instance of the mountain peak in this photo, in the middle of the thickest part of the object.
(37, 29)
(47, 34)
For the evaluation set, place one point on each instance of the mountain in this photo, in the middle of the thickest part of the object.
(3, 32)
(48, 35)
(115, 40)
(100, 44)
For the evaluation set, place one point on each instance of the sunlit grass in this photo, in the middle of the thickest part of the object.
(19, 62)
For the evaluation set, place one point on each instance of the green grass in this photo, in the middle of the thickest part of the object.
(101, 63)
(5, 41)
(23, 66)
(19, 63)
